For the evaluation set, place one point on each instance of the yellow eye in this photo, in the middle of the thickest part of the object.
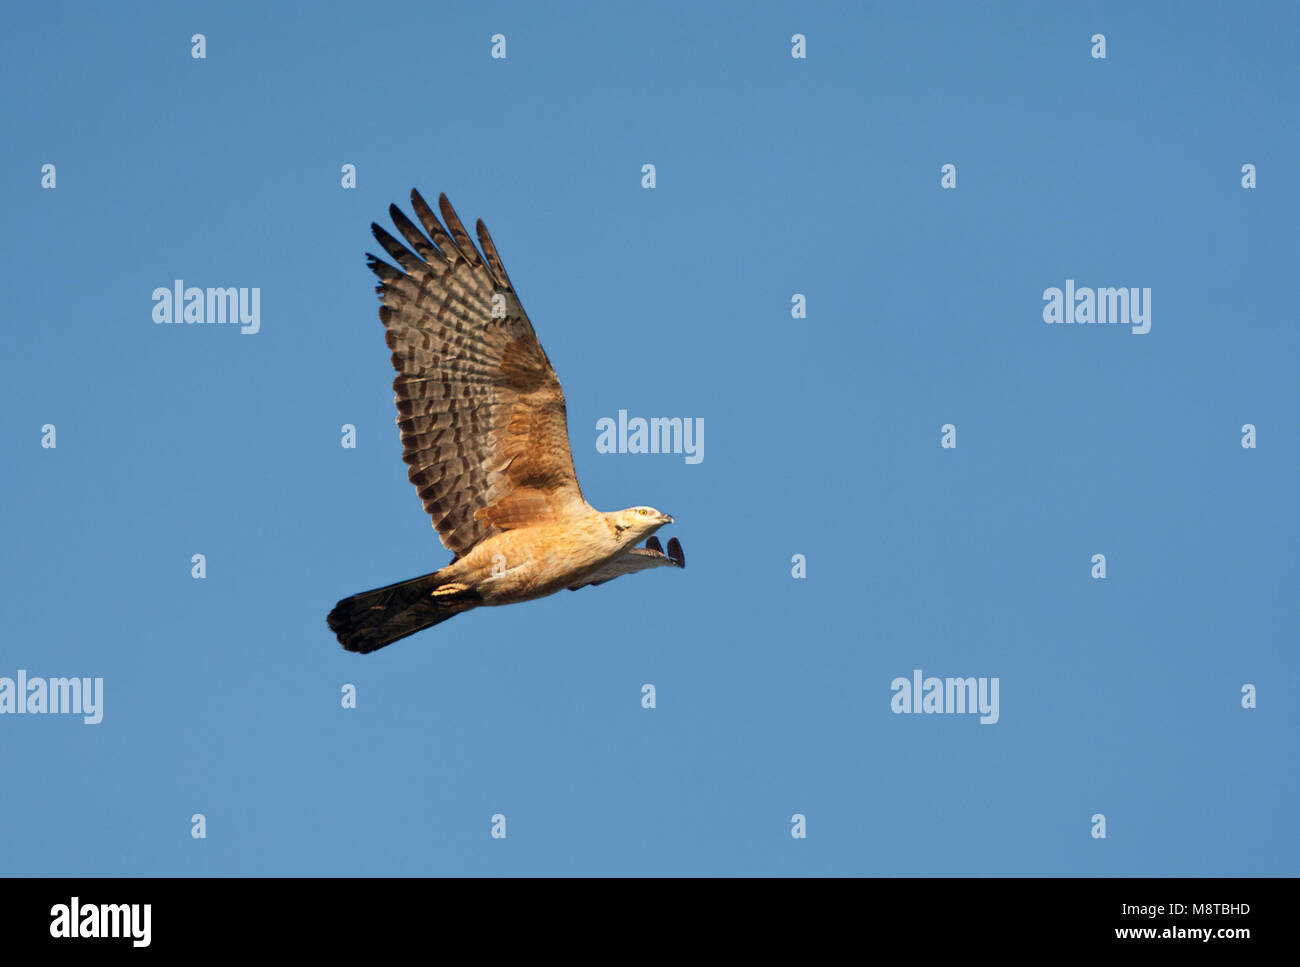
(642, 511)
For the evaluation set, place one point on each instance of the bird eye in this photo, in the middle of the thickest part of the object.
(642, 511)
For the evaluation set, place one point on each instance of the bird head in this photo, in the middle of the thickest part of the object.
(635, 523)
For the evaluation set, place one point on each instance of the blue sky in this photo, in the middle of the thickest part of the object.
(775, 176)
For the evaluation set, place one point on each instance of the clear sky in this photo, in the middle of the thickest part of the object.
(775, 176)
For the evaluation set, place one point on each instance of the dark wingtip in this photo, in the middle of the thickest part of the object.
(654, 545)
(675, 552)
(382, 269)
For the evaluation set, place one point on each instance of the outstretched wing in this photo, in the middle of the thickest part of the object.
(480, 408)
(638, 559)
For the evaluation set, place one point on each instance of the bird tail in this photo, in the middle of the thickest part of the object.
(368, 621)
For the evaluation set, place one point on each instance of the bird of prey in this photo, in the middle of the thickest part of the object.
(485, 438)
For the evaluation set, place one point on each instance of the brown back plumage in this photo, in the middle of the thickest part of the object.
(481, 411)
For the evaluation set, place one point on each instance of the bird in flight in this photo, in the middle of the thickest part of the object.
(486, 443)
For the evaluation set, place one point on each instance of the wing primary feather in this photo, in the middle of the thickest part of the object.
(675, 552)
(490, 253)
(458, 231)
(429, 220)
(397, 251)
(414, 237)
(382, 269)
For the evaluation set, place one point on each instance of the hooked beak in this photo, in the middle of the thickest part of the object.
(667, 519)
